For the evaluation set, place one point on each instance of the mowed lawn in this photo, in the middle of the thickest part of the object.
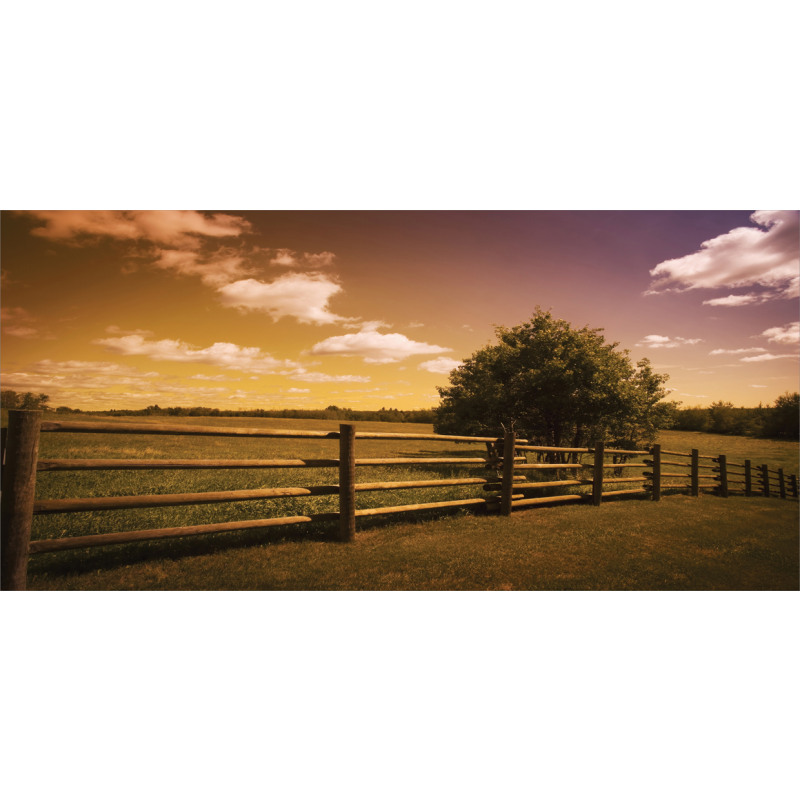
(679, 543)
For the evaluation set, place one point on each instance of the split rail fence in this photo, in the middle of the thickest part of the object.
(507, 488)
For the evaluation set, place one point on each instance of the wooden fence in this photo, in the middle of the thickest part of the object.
(507, 489)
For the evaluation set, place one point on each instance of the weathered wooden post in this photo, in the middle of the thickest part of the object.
(748, 478)
(723, 475)
(765, 480)
(347, 482)
(19, 487)
(655, 451)
(597, 474)
(781, 484)
(507, 487)
(793, 484)
(3, 434)
(695, 473)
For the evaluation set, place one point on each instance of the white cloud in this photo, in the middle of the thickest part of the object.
(52, 376)
(187, 243)
(788, 334)
(313, 261)
(742, 257)
(375, 347)
(79, 383)
(736, 300)
(302, 296)
(767, 357)
(368, 325)
(737, 352)
(220, 354)
(201, 377)
(283, 258)
(655, 340)
(318, 260)
(117, 331)
(164, 227)
(320, 377)
(18, 322)
(108, 368)
(214, 269)
(758, 386)
(293, 390)
(442, 365)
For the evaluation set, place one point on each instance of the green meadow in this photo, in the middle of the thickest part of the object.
(631, 543)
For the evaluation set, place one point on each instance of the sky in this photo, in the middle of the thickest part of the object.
(371, 309)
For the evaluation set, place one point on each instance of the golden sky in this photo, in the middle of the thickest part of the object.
(285, 309)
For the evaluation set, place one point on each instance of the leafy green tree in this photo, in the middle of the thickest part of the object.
(28, 401)
(783, 419)
(556, 385)
(695, 418)
(9, 399)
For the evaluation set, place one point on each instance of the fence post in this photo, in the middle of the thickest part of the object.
(655, 451)
(507, 490)
(695, 473)
(597, 476)
(723, 475)
(748, 478)
(781, 483)
(765, 480)
(3, 435)
(19, 487)
(793, 484)
(347, 482)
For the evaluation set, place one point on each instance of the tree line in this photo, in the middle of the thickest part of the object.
(331, 412)
(778, 421)
(30, 401)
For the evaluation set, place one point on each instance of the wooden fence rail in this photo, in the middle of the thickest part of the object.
(19, 456)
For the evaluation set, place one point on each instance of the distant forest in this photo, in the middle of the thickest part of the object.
(32, 401)
(778, 421)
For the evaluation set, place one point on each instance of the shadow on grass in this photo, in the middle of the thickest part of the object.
(86, 560)
(82, 560)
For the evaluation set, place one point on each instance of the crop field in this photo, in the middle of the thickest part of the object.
(72, 569)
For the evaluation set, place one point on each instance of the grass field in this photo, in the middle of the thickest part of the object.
(679, 543)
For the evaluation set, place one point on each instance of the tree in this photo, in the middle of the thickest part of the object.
(9, 399)
(783, 419)
(556, 386)
(29, 401)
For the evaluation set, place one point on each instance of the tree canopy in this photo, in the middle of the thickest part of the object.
(557, 386)
(28, 401)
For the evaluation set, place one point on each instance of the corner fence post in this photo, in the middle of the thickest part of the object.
(765, 480)
(597, 474)
(347, 483)
(655, 451)
(507, 489)
(695, 473)
(19, 487)
(781, 483)
(723, 475)
(748, 478)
